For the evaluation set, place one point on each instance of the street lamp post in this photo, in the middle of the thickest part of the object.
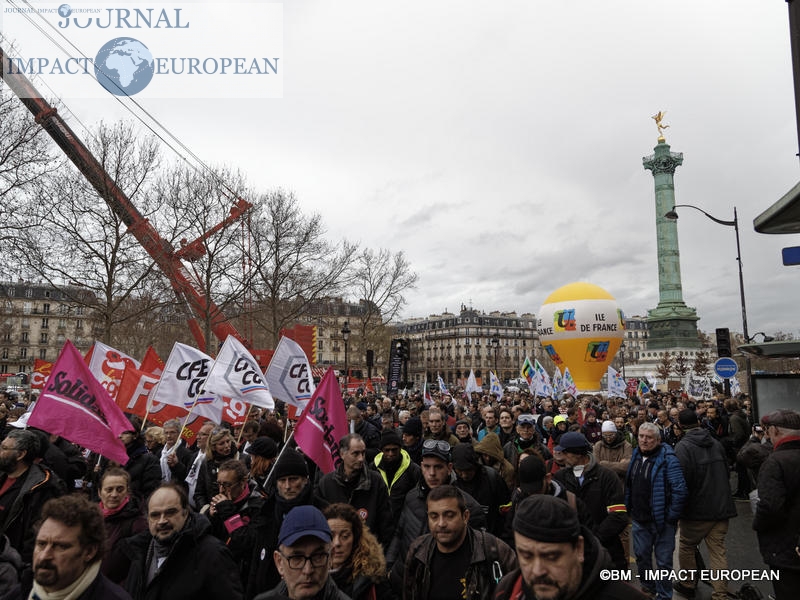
(735, 224)
(622, 349)
(496, 345)
(345, 336)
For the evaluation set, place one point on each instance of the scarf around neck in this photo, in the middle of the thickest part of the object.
(72, 591)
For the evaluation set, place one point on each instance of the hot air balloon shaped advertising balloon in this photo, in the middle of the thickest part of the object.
(581, 327)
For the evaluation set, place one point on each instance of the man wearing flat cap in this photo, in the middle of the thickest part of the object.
(558, 558)
(777, 518)
(303, 558)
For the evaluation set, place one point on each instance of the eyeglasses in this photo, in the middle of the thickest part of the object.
(298, 561)
(440, 444)
(226, 485)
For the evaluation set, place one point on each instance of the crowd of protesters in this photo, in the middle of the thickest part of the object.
(449, 497)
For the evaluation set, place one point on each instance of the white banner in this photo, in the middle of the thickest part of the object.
(236, 374)
(183, 383)
(289, 374)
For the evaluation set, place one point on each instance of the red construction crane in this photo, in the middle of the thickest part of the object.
(159, 249)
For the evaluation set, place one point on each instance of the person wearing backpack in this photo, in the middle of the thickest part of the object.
(459, 561)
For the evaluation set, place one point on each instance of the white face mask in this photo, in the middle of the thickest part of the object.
(578, 470)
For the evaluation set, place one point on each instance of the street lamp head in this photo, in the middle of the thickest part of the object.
(671, 215)
(345, 332)
(495, 342)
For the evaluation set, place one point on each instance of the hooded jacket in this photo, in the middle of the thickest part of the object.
(490, 445)
(615, 456)
(705, 469)
(198, 566)
(591, 586)
(406, 477)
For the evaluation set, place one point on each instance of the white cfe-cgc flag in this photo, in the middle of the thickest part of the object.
(236, 374)
(289, 374)
(183, 383)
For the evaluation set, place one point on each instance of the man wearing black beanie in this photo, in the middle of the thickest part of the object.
(399, 472)
(559, 559)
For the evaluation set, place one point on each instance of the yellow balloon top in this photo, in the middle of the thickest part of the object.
(579, 290)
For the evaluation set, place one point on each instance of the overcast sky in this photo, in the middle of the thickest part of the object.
(500, 144)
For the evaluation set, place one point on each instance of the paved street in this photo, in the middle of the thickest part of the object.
(743, 553)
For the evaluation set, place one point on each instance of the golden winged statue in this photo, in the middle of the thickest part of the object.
(661, 126)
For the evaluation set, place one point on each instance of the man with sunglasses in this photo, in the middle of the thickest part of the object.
(437, 470)
(303, 558)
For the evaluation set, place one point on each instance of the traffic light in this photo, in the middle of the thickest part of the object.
(723, 342)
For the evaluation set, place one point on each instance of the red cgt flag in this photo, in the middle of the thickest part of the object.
(41, 371)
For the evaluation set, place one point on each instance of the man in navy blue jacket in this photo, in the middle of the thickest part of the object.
(655, 493)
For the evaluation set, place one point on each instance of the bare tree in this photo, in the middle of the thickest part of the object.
(380, 279)
(293, 265)
(198, 208)
(25, 157)
(79, 243)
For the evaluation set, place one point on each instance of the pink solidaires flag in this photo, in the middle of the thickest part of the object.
(74, 405)
(322, 424)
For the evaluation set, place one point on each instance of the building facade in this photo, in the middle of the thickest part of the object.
(36, 320)
(451, 345)
(366, 332)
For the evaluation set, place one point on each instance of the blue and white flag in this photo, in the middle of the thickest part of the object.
(569, 383)
(558, 383)
(617, 388)
(442, 387)
(494, 386)
(543, 386)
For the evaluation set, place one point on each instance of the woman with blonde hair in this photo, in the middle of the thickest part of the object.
(357, 563)
(220, 447)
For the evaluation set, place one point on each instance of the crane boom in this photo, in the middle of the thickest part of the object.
(159, 249)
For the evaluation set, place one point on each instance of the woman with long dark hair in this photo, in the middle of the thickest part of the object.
(357, 563)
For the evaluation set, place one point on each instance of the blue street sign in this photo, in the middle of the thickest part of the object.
(726, 367)
(791, 255)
